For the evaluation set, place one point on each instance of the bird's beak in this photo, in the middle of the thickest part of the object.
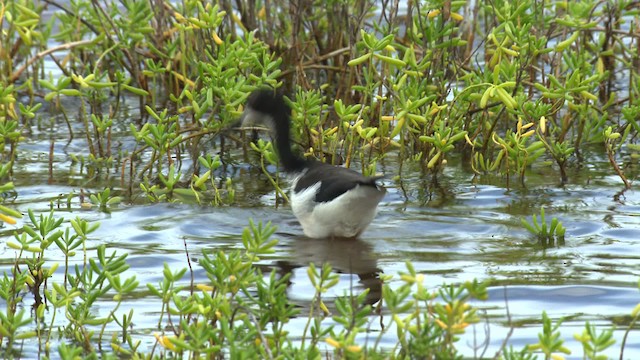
(236, 124)
(251, 117)
(242, 120)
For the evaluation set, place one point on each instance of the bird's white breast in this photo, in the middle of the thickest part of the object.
(345, 216)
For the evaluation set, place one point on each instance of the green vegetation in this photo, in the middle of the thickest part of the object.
(547, 235)
(240, 311)
(506, 86)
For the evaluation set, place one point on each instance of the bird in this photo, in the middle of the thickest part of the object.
(329, 201)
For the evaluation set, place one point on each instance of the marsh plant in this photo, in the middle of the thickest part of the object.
(548, 234)
(507, 86)
(154, 88)
(238, 310)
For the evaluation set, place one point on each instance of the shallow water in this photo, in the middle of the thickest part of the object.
(461, 229)
(456, 230)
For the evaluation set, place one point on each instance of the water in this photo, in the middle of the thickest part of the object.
(461, 228)
(454, 230)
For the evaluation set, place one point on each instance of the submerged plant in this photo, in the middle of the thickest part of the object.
(547, 234)
(104, 199)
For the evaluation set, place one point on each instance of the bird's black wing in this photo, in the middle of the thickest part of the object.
(334, 181)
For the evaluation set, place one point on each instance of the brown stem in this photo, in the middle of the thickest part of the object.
(83, 21)
(616, 168)
(51, 161)
(326, 56)
(44, 53)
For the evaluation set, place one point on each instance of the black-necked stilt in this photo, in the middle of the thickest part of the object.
(329, 201)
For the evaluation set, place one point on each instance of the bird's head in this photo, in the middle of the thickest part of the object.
(265, 107)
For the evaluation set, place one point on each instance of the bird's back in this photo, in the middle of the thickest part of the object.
(332, 201)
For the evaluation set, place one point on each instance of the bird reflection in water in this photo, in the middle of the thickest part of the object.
(346, 256)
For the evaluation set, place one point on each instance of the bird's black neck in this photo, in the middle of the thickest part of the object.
(290, 161)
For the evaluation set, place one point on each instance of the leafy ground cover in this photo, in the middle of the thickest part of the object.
(508, 86)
